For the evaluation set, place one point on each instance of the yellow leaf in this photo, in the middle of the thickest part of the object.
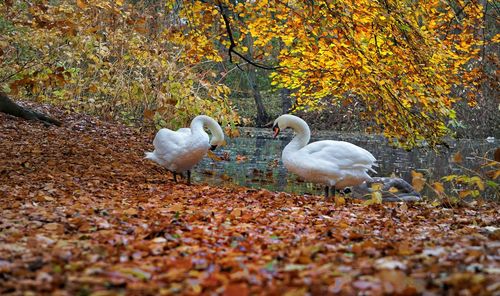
(339, 200)
(417, 181)
(479, 183)
(213, 156)
(393, 190)
(438, 186)
(376, 197)
(376, 186)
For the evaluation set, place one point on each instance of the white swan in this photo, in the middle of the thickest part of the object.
(179, 151)
(335, 164)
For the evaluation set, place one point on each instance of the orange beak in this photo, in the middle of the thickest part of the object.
(276, 131)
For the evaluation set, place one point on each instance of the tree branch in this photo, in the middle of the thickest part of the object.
(232, 45)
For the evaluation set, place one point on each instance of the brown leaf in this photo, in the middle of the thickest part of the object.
(131, 211)
(54, 227)
(236, 289)
(149, 114)
(457, 158)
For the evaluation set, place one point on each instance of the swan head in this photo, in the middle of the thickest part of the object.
(201, 121)
(283, 122)
(217, 136)
(276, 130)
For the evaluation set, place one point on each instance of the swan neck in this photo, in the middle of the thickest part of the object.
(303, 134)
(201, 121)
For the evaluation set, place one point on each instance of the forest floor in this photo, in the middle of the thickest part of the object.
(82, 213)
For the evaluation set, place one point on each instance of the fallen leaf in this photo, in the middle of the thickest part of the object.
(418, 181)
(236, 289)
(294, 267)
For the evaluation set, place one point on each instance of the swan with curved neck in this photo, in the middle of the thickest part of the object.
(336, 164)
(179, 151)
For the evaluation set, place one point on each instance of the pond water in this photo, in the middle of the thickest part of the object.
(254, 160)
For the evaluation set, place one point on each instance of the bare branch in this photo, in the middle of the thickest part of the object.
(233, 45)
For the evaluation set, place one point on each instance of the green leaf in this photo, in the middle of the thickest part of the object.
(136, 272)
(294, 267)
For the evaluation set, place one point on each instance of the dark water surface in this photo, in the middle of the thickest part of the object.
(260, 163)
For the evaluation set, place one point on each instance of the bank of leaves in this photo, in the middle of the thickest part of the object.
(84, 214)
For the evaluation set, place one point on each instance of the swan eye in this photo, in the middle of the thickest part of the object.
(213, 147)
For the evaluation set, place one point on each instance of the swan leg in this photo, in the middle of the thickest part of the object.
(189, 177)
(331, 190)
(175, 177)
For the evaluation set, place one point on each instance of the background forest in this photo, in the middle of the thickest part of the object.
(412, 70)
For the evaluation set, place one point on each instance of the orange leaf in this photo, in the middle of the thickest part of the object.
(464, 193)
(82, 4)
(240, 158)
(457, 158)
(417, 181)
(234, 289)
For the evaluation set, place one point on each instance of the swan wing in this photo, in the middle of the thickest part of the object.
(167, 141)
(339, 154)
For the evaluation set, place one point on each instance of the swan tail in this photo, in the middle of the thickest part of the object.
(151, 156)
(365, 167)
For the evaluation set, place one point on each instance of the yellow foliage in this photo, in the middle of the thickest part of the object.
(401, 58)
(108, 58)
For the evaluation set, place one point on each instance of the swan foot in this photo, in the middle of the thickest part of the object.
(182, 176)
(329, 190)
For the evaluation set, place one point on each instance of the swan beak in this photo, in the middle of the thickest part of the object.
(212, 147)
(276, 131)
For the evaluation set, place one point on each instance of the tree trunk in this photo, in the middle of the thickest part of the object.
(262, 117)
(286, 102)
(10, 107)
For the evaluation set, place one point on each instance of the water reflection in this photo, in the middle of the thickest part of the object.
(262, 167)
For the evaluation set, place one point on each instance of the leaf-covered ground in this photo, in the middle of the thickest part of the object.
(82, 213)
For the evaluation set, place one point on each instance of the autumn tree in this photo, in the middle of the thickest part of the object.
(106, 57)
(402, 59)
